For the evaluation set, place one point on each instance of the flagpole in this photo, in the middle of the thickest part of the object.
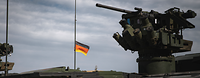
(75, 38)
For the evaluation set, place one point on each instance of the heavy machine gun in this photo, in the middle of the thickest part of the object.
(155, 36)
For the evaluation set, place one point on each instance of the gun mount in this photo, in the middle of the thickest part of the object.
(155, 36)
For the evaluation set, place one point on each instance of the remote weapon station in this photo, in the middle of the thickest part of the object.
(155, 36)
(3, 53)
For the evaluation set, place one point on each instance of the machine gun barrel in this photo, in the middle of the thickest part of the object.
(114, 8)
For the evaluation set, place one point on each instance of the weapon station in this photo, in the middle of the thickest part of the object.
(3, 53)
(155, 36)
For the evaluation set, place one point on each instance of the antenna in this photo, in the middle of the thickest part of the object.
(6, 70)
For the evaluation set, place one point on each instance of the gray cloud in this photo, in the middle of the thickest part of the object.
(42, 32)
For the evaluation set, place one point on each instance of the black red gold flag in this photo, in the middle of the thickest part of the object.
(82, 48)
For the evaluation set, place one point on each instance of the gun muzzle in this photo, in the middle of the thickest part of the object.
(139, 9)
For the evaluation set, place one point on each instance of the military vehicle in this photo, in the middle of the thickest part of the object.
(154, 35)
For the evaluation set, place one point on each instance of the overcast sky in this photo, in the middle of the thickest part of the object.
(42, 32)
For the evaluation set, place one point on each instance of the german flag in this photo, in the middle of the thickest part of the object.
(81, 48)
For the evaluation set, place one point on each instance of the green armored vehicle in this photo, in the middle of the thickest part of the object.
(155, 36)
